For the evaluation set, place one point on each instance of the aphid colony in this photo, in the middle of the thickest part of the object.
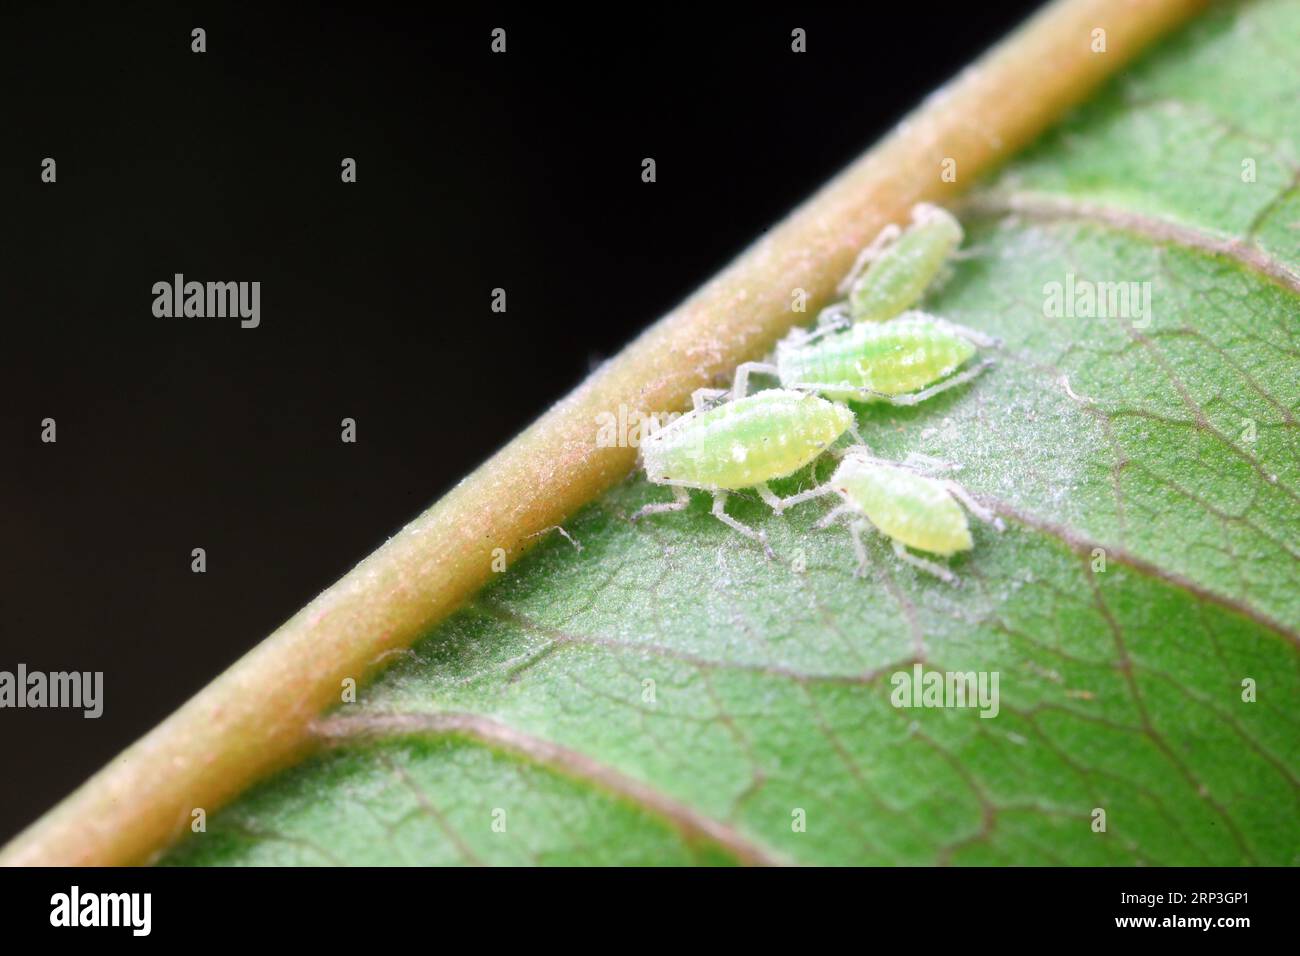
(867, 348)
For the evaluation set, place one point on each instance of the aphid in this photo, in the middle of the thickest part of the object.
(741, 444)
(897, 361)
(909, 507)
(892, 273)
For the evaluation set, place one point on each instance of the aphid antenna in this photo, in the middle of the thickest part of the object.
(973, 506)
(779, 504)
(928, 463)
(870, 459)
(974, 336)
(704, 398)
(860, 450)
(859, 447)
(821, 332)
(913, 461)
(836, 316)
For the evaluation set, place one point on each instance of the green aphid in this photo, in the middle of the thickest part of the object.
(904, 361)
(893, 272)
(905, 504)
(741, 444)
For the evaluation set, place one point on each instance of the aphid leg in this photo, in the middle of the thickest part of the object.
(833, 515)
(720, 512)
(701, 398)
(929, 463)
(860, 448)
(681, 498)
(856, 528)
(938, 570)
(779, 504)
(972, 336)
(740, 388)
(833, 318)
(973, 506)
(915, 398)
(868, 254)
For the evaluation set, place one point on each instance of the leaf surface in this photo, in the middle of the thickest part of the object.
(666, 695)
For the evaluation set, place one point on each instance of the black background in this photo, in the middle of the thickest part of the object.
(904, 906)
(475, 171)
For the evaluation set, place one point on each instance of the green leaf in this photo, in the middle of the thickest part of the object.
(665, 695)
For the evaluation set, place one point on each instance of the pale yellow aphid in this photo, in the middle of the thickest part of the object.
(741, 444)
(902, 502)
(893, 272)
(904, 361)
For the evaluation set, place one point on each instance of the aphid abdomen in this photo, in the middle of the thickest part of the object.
(909, 353)
(746, 442)
(906, 506)
(890, 358)
(899, 276)
(811, 366)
